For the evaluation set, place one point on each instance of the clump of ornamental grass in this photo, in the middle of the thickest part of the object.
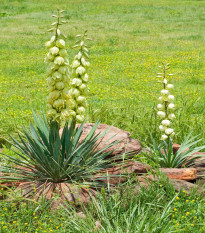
(44, 159)
(164, 155)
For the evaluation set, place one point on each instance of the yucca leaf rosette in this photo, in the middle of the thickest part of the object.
(166, 106)
(58, 76)
(79, 79)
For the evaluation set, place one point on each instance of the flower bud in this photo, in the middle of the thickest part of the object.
(65, 113)
(166, 122)
(170, 86)
(76, 82)
(70, 104)
(171, 106)
(54, 51)
(48, 44)
(80, 110)
(172, 135)
(80, 99)
(59, 103)
(60, 85)
(170, 98)
(85, 78)
(52, 39)
(164, 137)
(63, 53)
(60, 43)
(162, 128)
(82, 87)
(51, 88)
(54, 94)
(160, 106)
(62, 69)
(75, 64)
(59, 60)
(164, 92)
(83, 61)
(66, 61)
(171, 116)
(169, 131)
(50, 81)
(66, 94)
(80, 118)
(161, 114)
(57, 75)
(72, 113)
(50, 57)
(75, 92)
(80, 70)
(78, 56)
(52, 112)
(165, 81)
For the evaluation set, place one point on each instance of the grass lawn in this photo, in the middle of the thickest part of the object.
(130, 40)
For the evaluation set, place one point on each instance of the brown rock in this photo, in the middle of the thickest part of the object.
(175, 147)
(200, 172)
(118, 173)
(114, 134)
(184, 185)
(178, 185)
(200, 162)
(180, 173)
(66, 192)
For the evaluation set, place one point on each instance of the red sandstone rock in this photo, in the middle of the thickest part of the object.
(67, 192)
(114, 134)
(184, 185)
(118, 173)
(180, 173)
(175, 147)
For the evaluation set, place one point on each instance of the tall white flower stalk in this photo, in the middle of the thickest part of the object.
(79, 79)
(166, 105)
(58, 74)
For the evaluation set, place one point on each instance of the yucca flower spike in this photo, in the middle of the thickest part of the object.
(58, 75)
(79, 77)
(166, 105)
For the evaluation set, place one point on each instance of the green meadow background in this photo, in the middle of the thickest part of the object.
(130, 40)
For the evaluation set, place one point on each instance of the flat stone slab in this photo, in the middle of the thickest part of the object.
(180, 173)
(117, 174)
(126, 144)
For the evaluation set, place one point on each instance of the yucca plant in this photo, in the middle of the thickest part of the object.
(44, 159)
(164, 156)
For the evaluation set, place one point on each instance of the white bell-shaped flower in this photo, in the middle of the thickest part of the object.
(166, 122)
(161, 114)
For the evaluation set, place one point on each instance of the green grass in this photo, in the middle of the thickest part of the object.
(131, 38)
(158, 209)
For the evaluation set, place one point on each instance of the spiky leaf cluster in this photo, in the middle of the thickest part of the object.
(79, 78)
(42, 155)
(58, 74)
(166, 105)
